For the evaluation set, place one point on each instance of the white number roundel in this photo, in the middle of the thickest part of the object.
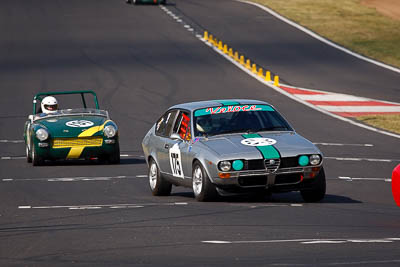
(258, 141)
(79, 123)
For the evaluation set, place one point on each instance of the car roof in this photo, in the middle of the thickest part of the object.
(217, 103)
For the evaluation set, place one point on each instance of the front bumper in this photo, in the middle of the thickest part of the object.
(285, 179)
(46, 151)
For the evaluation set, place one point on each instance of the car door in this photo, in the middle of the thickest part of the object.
(178, 145)
(162, 132)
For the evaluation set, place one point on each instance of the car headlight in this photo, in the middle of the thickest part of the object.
(42, 134)
(110, 131)
(315, 159)
(225, 166)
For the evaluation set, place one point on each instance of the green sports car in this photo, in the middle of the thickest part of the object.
(146, 1)
(79, 133)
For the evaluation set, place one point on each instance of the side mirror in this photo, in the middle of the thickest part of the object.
(176, 136)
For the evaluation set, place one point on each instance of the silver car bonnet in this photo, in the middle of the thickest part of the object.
(289, 144)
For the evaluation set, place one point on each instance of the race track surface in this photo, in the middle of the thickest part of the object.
(140, 61)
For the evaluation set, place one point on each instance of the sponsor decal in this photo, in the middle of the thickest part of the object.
(79, 123)
(258, 141)
(264, 145)
(235, 108)
(176, 161)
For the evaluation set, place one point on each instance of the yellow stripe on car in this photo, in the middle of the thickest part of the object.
(75, 152)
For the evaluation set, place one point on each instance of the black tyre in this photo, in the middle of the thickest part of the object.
(203, 189)
(36, 159)
(115, 158)
(158, 185)
(317, 190)
(28, 154)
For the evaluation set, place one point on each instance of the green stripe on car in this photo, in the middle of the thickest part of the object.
(268, 152)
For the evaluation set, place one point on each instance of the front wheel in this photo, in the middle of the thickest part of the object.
(158, 185)
(203, 189)
(36, 159)
(28, 154)
(317, 190)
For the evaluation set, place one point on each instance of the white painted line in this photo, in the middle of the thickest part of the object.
(350, 179)
(126, 207)
(363, 159)
(142, 176)
(111, 206)
(360, 108)
(296, 205)
(330, 97)
(73, 179)
(339, 144)
(12, 141)
(305, 241)
(324, 242)
(179, 20)
(320, 38)
(6, 158)
(84, 208)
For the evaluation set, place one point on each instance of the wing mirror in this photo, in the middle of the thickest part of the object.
(176, 136)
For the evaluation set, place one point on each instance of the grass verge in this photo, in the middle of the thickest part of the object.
(387, 122)
(346, 22)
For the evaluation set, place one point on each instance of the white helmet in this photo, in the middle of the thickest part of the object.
(49, 105)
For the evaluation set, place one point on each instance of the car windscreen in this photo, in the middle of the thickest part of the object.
(69, 112)
(238, 119)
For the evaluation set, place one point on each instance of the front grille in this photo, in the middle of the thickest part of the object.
(271, 165)
(77, 142)
(289, 162)
(255, 164)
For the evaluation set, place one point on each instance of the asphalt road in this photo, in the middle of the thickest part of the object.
(140, 61)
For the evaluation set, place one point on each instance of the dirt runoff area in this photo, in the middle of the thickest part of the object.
(389, 8)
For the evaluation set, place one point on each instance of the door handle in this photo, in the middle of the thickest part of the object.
(166, 146)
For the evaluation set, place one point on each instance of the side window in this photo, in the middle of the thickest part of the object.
(164, 124)
(182, 125)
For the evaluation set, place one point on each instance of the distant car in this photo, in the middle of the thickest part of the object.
(225, 147)
(146, 1)
(79, 133)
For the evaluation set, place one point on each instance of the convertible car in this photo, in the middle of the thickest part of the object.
(80, 133)
(226, 147)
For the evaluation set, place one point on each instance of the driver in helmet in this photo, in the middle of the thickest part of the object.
(49, 105)
(204, 125)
